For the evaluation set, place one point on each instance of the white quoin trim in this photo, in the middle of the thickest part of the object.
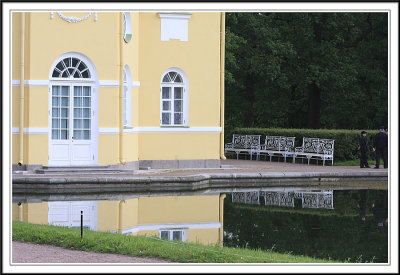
(167, 226)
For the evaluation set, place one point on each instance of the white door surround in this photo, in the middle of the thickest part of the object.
(73, 108)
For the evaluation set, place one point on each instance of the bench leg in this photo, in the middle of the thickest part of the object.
(323, 162)
(237, 155)
(294, 159)
(308, 160)
(284, 158)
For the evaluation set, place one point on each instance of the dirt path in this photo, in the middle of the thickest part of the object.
(35, 253)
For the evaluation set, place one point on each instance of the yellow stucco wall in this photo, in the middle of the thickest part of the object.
(198, 58)
(129, 213)
(203, 236)
(107, 213)
(147, 57)
(178, 209)
(182, 145)
(37, 149)
(31, 212)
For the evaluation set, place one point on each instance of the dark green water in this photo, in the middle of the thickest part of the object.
(334, 230)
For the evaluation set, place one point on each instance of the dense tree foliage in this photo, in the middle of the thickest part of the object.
(307, 70)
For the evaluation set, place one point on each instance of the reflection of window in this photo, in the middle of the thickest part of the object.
(127, 27)
(173, 100)
(173, 235)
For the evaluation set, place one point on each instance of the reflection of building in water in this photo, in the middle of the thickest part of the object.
(185, 218)
(309, 199)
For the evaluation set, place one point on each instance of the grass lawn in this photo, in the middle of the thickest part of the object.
(356, 162)
(148, 246)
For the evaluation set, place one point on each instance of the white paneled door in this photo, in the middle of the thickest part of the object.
(73, 135)
(68, 213)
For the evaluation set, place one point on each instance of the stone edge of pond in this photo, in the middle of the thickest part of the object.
(192, 182)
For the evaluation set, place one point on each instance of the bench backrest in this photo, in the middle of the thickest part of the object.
(272, 142)
(239, 141)
(279, 143)
(253, 141)
(326, 146)
(318, 145)
(287, 143)
(245, 141)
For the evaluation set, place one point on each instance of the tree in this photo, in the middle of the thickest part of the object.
(314, 70)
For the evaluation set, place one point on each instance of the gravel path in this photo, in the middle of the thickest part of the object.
(39, 253)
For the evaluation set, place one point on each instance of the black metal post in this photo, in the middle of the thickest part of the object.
(81, 224)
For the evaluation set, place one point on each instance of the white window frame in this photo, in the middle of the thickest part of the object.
(185, 98)
(127, 102)
(184, 233)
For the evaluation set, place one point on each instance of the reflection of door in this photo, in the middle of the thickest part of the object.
(68, 213)
(72, 132)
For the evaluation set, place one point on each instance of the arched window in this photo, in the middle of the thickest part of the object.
(173, 99)
(71, 67)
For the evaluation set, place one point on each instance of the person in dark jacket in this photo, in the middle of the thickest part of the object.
(380, 147)
(363, 147)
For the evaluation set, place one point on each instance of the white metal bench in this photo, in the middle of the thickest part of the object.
(277, 145)
(244, 144)
(316, 148)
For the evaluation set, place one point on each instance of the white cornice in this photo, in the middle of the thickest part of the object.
(174, 15)
(45, 83)
(115, 131)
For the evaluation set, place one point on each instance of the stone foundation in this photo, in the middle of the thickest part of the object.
(179, 164)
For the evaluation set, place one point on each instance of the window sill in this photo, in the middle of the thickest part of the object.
(174, 126)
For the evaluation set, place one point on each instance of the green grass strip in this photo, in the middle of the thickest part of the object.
(180, 252)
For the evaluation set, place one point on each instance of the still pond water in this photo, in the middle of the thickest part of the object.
(341, 224)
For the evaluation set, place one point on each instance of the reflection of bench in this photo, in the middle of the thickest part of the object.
(244, 144)
(316, 148)
(276, 145)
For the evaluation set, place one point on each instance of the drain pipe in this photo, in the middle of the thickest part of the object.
(22, 92)
(120, 209)
(222, 85)
(20, 212)
(221, 219)
(121, 90)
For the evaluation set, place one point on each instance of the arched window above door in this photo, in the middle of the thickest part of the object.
(71, 67)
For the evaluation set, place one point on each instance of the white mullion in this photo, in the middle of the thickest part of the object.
(71, 112)
(173, 105)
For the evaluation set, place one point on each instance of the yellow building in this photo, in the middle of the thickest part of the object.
(185, 218)
(124, 89)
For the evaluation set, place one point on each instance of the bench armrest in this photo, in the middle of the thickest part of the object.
(229, 145)
(255, 147)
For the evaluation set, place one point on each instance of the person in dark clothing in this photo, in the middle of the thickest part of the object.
(380, 207)
(362, 204)
(363, 147)
(380, 147)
